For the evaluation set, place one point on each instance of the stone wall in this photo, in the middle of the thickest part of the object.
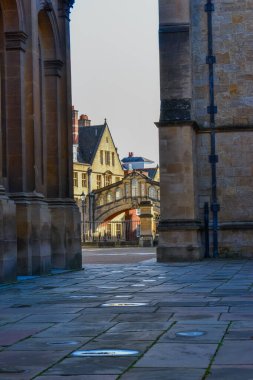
(184, 162)
(36, 140)
(232, 33)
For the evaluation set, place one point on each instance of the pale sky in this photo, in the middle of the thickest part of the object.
(115, 70)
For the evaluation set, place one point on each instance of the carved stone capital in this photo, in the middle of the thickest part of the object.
(53, 68)
(15, 40)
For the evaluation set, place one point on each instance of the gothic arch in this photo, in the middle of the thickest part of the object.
(50, 74)
(13, 15)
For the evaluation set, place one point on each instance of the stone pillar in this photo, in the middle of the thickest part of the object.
(65, 215)
(66, 232)
(179, 228)
(33, 234)
(147, 224)
(8, 239)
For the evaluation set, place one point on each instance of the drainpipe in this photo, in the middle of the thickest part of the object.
(212, 111)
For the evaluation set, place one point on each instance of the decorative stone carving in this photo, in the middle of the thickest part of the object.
(15, 40)
(66, 6)
(53, 67)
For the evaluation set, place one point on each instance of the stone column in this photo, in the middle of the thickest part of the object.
(179, 228)
(147, 224)
(65, 215)
(8, 239)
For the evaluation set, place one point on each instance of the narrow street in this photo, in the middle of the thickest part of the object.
(117, 255)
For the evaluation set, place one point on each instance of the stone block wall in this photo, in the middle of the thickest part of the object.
(232, 36)
(184, 101)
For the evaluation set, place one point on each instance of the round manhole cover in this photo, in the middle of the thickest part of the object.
(105, 352)
(125, 304)
(190, 334)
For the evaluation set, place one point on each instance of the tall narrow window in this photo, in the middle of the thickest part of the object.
(76, 179)
(135, 190)
(101, 157)
(84, 180)
(152, 192)
(107, 157)
(99, 181)
(108, 180)
(113, 159)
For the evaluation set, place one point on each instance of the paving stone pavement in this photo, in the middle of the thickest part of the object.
(146, 307)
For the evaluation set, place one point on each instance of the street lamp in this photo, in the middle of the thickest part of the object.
(83, 211)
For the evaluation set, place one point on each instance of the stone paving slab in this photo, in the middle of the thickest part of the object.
(212, 333)
(235, 352)
(92, 366)
(231, 373)
(163, 374)
(184, 355)
(43, 320)
(82, 377)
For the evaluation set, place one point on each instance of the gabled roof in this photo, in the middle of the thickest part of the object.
(89, 140)
(151, 172)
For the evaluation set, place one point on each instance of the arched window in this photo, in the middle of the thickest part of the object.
(127, 190)
(143, 189)
(118, 194)
(100, 201)
(109, 197)
(135, 188)
(152, 192)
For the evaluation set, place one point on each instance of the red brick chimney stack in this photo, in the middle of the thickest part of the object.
(84, 121)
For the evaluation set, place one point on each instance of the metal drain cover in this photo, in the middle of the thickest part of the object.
(80, 297)
(138, 285)
(126, 304)
(10, 370)
(66, 343)
(19, 306)
(104, 352)
(191, 334)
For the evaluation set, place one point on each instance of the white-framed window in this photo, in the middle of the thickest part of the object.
(84, 180)
(99, 181)
(108, 179)
(152, 192)
(109, 197)
(135, 188)
(127, 190)
(118, 194)
(143, 189)
(75, 177)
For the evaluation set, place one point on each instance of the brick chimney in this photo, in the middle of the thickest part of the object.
(75, 125)
(84, 121)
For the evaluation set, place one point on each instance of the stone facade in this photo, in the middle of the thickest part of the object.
(184, 128)
(39, 221)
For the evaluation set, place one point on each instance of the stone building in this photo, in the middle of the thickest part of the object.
(96, 159)
(184, 126)
(39, 221)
